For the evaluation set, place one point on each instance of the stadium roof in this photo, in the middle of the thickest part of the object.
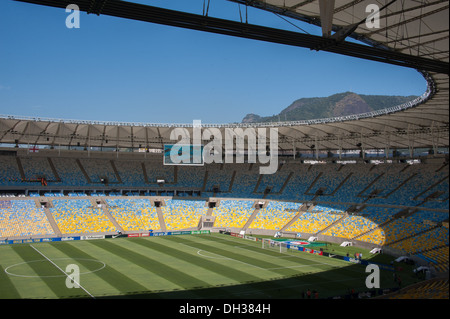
(417, 28)
(414, 32)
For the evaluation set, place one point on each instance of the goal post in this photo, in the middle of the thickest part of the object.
(274, 245)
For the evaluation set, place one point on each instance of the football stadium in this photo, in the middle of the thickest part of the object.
(343, 207)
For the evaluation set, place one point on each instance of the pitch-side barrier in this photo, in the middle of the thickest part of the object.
(91, 237)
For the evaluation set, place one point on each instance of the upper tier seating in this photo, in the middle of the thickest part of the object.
(424, 185)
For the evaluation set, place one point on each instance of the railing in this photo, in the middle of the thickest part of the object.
(431, 90)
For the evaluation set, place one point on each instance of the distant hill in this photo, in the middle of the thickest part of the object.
(340, 104)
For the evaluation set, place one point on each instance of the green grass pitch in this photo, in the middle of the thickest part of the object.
(187, 266)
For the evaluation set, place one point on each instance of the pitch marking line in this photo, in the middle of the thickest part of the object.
(8, 271)
(221, 256)
(63, 271)
(212, 257)
(199, 252)
(251, 248)
(299, 266)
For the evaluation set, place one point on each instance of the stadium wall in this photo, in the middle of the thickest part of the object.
(93, 237)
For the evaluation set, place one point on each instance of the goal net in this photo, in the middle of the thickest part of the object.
(274, 245)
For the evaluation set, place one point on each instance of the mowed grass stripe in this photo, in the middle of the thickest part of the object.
(319, 271)
(264, 287)
(290, 258)
(108, 274)
(180, 260)
(324, 269)
(221, 289)
(290, 286)
(294, 279)
(252, 247)
(305, 260)
(255, 286)
(229, 251)
(198, 261)
(56, 284)
(7, 288)
(25, 280)
(255, 247)
(320, 276)
(152, 282)
(321, 265)
(171, 274)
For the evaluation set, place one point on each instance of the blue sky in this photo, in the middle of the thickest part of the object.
(114, 69)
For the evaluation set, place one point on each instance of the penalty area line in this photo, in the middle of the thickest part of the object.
(79, 285)
(221, 256)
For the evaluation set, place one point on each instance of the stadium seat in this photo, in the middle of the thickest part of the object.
(80, 216)
(20, 218)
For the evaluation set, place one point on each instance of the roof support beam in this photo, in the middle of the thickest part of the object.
(417, 36)
(301, 4)
(348, 5)
(381, 30)
(326, 16)
(140, 12)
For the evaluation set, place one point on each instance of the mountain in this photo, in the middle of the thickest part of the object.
(340, 104)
